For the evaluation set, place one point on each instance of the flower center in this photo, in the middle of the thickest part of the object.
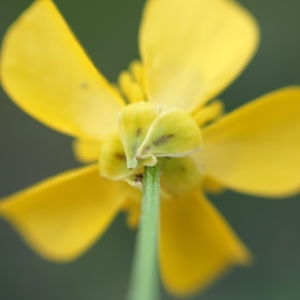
(146, 134)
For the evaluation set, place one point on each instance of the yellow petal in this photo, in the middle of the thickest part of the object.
(191, 50)
(196, 244)
(256, 148)
(173, 133)
(46, 72)
(86, 151)
(134, 122)
(180, 175)
(61, 217)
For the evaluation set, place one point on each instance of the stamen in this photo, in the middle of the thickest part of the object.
(124, 81)
(130, 83)
(209, 113)
(210, 185)
(135, 93)
(136, 70)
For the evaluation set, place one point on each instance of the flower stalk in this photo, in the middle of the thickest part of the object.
(145, 280)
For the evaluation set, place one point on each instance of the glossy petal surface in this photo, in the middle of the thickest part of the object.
(191, 50)
(46, 72)
(255, 149)
(61, 217)
(196, 244)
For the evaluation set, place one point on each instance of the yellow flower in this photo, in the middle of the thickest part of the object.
(190, 51)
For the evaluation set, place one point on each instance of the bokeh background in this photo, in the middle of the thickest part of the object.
(30, 152)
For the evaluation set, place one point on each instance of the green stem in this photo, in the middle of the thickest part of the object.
(144, 283)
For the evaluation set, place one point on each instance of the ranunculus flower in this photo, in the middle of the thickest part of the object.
(160, 112)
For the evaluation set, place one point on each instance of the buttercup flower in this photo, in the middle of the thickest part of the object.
(161, 111)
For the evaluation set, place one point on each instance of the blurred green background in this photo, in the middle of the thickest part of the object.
(30, 152)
